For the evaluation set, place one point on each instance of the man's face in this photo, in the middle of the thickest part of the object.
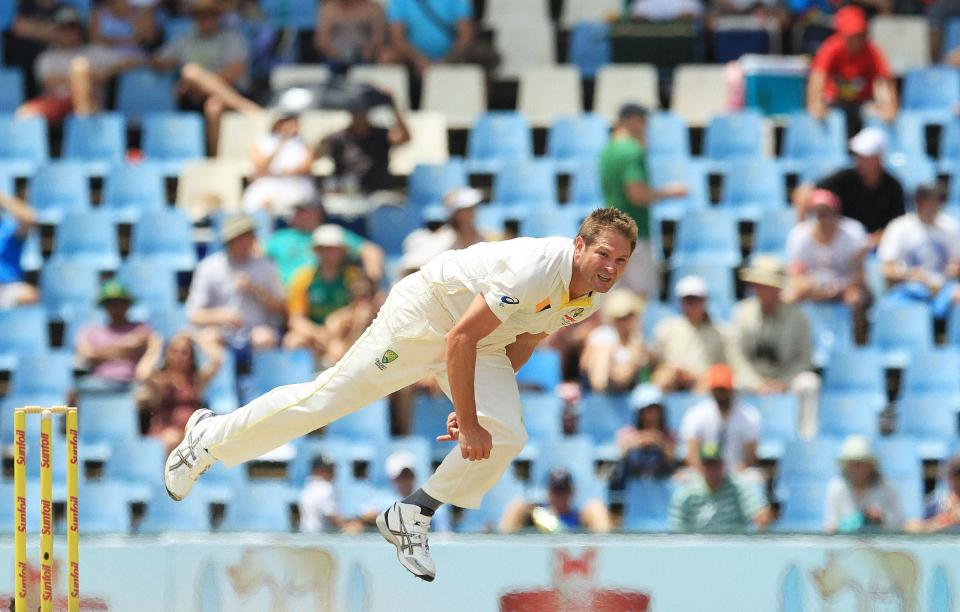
(856, 42)
(330, 254)
(928, 207)
(694, 308)
(307, 218)
(767, 294)
(404, 482)
(560, 498)
(722, 396)
(869, 165)
(241, 247)
(602, 263)
(826, 217)
(117, 309)
(207, 22)
(636, 126)
(712, 473)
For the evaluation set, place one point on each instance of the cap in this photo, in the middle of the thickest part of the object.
(856, 448)
(927, 191)
(462, 197)
(691, 286)
(632, 109)
(114, 290)
(720, 376)
(235, 226)
(328, 235)
(710, 453)
(621, 303)
(321, 461)
(67, 15)
(560, 479)
(850, 21)
(869, 142)
(645, 395)
(399, 461)
(825, 197)
(765, 270)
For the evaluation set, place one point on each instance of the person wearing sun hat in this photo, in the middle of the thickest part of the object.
(613, 354)
(769, 341)
(861, 500)
(458, 232)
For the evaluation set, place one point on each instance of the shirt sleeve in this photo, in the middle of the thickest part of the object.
(689, 426)
(675, 515)
(750, 501)
(889, 249)
(509, 291)
(825, 57)
(794, 248)
(881, 66)
(297, 302)
(751, 424)
(199, 296)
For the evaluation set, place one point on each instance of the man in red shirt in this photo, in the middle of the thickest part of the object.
(849, 71)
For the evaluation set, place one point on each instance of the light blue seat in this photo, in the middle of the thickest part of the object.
(653, 313)
(430, 420)
(542, 370)
(901, 330)
(163, 515)
(810, 459)
(68, 289)
(902, 467)
(46, 372)
(803, 505)
(734, 136)
(647, 505)
(707, 237)
(949, 149)
(103, 507)
(368, 424)
(58, 188)
(262, 507)
(603, 415)
(170, 140)
(136, 464)
(542, 416)
(98, 141)
(676, 405)
(89, 238)
(168, 322)
(779, 415)
(23, 144)
(108, 418)
(751, 188)
(11, 89)
(153, 285)
(678, 170)
(428, 183)
(496, 140)
(906, 137)
(277, 368)
(932, 93)
(720, 286)
(815, 170)
(771, 231)
(523, 187)
(417, 446)
(220, 483)
(553, 221)
(342, 451)
(934, 372)
(576, 455)
(844, 414)
(572, 139)
(588, 47)
(131, 190)
(913, 171)
(953, 327)
(667, 136)
(831, 328)
(31, 258)
(585, 190)
(929, 420)
(290, 14)
(172, 247)
(23, 331)
(221, 393)
(388, 225)
(145, 91)
(855, 370)
(808, 139)
(487, 517)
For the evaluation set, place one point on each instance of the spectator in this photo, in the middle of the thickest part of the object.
(646, 446)
(868, 193)
(318, 500)
(361, 153)
(281, 162)
(559, 513)
(723, 420)
(860, 500)
(236, 294)
(127, 28)
(625, 183)
(920, 253)
(424, 32)
(317, 291)
(940, 13)
(350, 32)
(667, 10)
(170, 394)
(345, 325)
(849, 71)
(686, 346)
(116, 353)
(32, 30)
(291, 248)
(459, 231)
(770, 341)
(72, 74)
(614, 356)
(826, 256)
(15, 226)
(714, 501)
(943, 513)
(401, 468)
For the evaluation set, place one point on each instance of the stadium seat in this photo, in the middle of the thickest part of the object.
(172, 247)
(541, 371)
(221, 392)
(707, 237)
(68, 289)
(905, 137)
(912, 171)
(576, 454)
(23, 144)
(676, 405)
(344, 453)
(415, 445)
(220, 483)
(524, 45)
(588, 47)
(458, 91)
(283, 76)
(575, 139)
(734, 36)
(603, 416)
(542, 415)
(131, 190)
(276, 368)
(902, 467)
(170, 140)
(104, 508)
(98, 141)
(552, 221)
(720, 283)
(526, 186)
(647, 504)
(368, 424)
(844, 414)
(108, 418)
(238, 134)
(752, 188)
(735, 136)
(900, 330)
(903, 39)
(933, 93)
(58, 188)
(145, 91)
(585, 190)
(547, 93)
(487, 517)
(136, 464)
(771, 230)
(809, 459)
(12, 89)
(934, 372)
(427, 145)
(23, 331)
(831, 328)
(699, 92)
(153, 285)
(949, 149)
(667, 136)
(779, 414)
(45, 372)
(169, 322)
(262, 507)
(208, 185)
(290, 14)
(428, 183)
(856, 371)
(429, 420)
(89, 238)
(496, 139)
(653, 313)
(806, 138)
(617, 84)
(692, 174)
(315, 125)
(589, 10)
(803, 505)
(388, 225)
(391, 78)
(930, 421)
(163, 515)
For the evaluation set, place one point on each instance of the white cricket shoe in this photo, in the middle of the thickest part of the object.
(189, 459)
(406, 528)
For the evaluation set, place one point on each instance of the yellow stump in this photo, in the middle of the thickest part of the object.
(21, 568)
(46, 513)
(73, 514)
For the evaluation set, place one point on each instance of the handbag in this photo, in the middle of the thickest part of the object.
(479, 52)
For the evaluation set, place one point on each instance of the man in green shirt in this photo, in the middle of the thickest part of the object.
(625, 184)
(715, 502)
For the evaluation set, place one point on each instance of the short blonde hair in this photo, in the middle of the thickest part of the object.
(608, 218)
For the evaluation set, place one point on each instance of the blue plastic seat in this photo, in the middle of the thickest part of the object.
(806, 138)
(68, 290)
(813, 459)
(368, 424)
(553, 221)
(576, 455)
(676, 405)
(734, 136)
(23, 331)
(342, 451)
(934, 372)
(526, 186)
(678, 170)
(497, 140)
(89, 238)
(831, 328)
(290, 14)
(262, 507)
(163, 515)
(132, 189)
(172, 247)
(779, 414)
(429, 421)
(855, 370)
(172, 139)
(168, 322)
(221, 392)
(901, 464)
(804, 503)
(103, 507)
(277, 368)
(428, 183)
(929, 420)
(108, 418)
(220, 483)
(487, 517)
(707, 237)
(542, 415)
(905, 137)
(574, 139)
(23, 144)
(933, 93)
(136, 463)
(667, 136)
(647, 505)
(416, 446)
(844, 414)
(912, 170)
(145, 91)
(950, 150)
(585, 187)
(588, 47)
(58, 188)
(542, 370)
(901, 330)
(98, 141)
(388, 225)
(720, 285)
(653, 313)
(46, 372)
(153, 285)
(771, 230)
(752, 188)
(11, 89)
(603, 416)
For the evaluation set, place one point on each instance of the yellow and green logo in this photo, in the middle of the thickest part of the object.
(389, 356)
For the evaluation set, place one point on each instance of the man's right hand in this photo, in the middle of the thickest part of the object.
(475, 442)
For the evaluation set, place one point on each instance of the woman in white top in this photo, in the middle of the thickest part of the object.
(282, 163)
(861, 500)
(614, 355)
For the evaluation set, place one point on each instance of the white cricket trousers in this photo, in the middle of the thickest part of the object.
(412, 324)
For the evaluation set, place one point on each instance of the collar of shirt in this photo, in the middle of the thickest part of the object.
(566, 273)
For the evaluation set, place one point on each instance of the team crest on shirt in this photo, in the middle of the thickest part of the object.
(389, 356)
(572, 316)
